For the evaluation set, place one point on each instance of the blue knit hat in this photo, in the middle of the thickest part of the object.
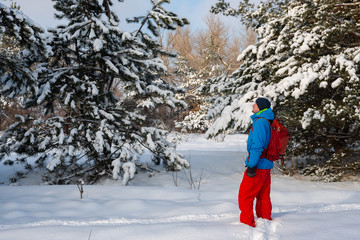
(262, 103)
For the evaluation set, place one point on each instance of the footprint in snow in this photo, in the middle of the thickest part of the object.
(264, 230)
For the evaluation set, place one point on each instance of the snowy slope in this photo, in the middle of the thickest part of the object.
(154, 208)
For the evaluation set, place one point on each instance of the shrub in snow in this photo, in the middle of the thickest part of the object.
(72, 72)
(307, 61)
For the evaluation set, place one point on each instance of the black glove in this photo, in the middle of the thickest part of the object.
(250, 172)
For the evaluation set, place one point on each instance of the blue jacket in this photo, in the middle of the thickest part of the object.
(258, 140)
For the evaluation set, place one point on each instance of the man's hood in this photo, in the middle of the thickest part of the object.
(265, 113)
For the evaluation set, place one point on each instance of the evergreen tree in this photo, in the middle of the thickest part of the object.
(89, 132)
(195, 119)
(307, 61)
(9, 47)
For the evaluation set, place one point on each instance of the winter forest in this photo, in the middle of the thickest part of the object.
(108, 132)
(86, 99)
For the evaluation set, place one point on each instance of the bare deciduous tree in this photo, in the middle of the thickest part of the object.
(202, 55)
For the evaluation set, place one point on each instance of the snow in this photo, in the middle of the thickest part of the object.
(154, 208)
(147, 103)
(127, 36)
(336, 83)
(111, 66)
(54, 162)
(116, 164)
(99, 142)
(107, 115)
(98, 45)
(100, 24)
(309, 115)
(150, 142)
(46, 90)
(129, 169)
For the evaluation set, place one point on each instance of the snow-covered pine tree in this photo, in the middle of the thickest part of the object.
(92, 134)
(16, 69)
(9, 46)
(195, 118)
(307, 61)
(22, 49)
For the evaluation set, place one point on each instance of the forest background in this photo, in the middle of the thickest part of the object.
(310, 73)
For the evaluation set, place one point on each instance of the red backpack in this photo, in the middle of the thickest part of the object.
(278, 142)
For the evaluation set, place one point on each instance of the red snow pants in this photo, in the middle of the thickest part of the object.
(255, 187)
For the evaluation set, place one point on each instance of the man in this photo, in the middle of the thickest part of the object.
(256, 180)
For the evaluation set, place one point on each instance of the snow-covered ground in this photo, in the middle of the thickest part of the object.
(154, 208)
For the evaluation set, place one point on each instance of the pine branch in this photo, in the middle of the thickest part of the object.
(107, 8)
(339, 136)
(348, 4)
(146, 18)
(76, 174)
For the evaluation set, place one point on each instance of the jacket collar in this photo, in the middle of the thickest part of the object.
(265, 113)
(259, 112)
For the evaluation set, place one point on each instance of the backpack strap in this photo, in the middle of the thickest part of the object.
(269, 121)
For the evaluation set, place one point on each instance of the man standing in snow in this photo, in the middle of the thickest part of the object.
(256, 180)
